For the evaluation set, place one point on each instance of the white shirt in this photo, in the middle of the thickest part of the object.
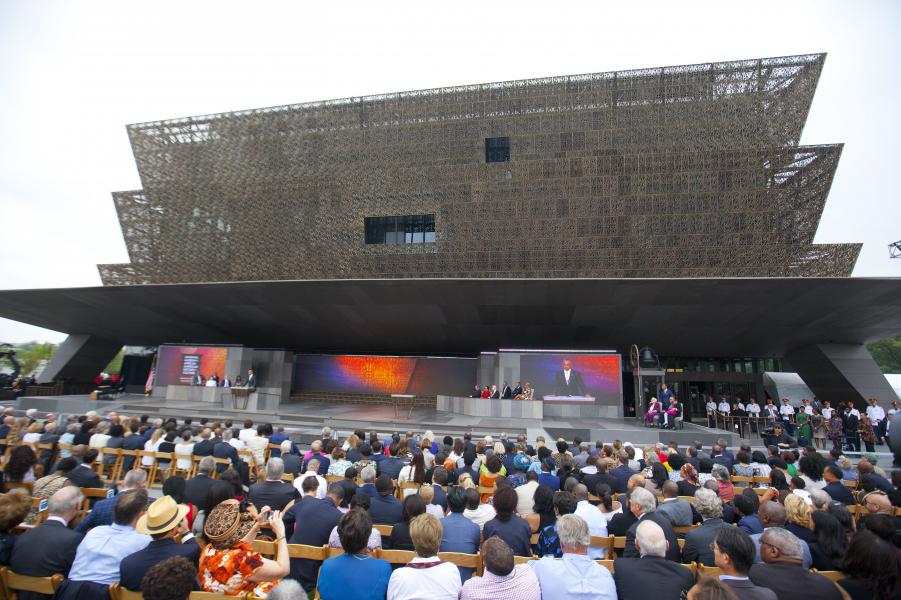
(35, 437)
(597, 525)
(711, 407)
(184, 449)
(480, 515)
(875, 414)
(246, 434)
(753, 409)
(441, 582)
(98, 440)
(741, 406)
(320, 491)
(787, 410)
(526, 498)
(236, 444)
(150, 446)
(854, 412)
(210, 383)
(771, 409)
(808, 409)
(827, 412)
(724, 407)
(566, 374)
(434, 510)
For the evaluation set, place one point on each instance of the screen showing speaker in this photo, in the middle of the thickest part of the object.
(180, 365)
(573, 378)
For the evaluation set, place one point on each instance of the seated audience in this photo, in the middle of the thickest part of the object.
(575, 575)
(400, 539)
(273, 492)
(314, 520)
(548, 541)
(166, 522)
(475, 511)
(197, 487)
(459, 533)
(508, 526)
(542, 513)
(426, 576)
(708, 588)
(103, 511)
(413, 473)
(872, 568)
(354, 574)
(678, 511)
(97, 559)
(48, 485)
(797, 515)
(83, 474)
(50, 548)
(650, 575)
(358, 502)
(827, 548)
(170, 579)
(597, 524)
(643, 507)
(385, 509)
(312, 470)
(14, 507)
(228, 563)
(733, 553)
(772, 514)
(698, 541)
(746, 513)
(832, 476)
(427, 493)
(502, 578)
(783, 572)
(20, 465)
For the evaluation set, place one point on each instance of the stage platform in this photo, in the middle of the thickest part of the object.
(304, 420)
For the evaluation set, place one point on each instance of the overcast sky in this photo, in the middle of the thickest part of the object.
(74, 73)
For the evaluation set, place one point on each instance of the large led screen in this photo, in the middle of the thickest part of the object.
(384, 374)
(176, 365)
(573, 378)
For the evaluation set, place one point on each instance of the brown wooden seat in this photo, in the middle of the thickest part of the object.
(607, 564)
(8, 486)
(385, 530)
(831, 575)
(13, 582)
(307, 552)
(396, 557)
(683, 529)
(461, 559)
(714, 572)
(117, 592)
(521, 560)
(603, 541)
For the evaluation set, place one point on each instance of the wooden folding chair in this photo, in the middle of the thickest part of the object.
(117, 592)
(220, 461)
(106, 471)
(693, 567)
(8, 486)
(521, 560)
(95, 494)
(267, 549)
(333, 552)
(120, 463)
(396, 557)
(714, 572)
(831, 575)
(309, 552)
(215, 596)
(607, 564)
(385, 530)
(604, 542)
(461, 559)
(683, 529)
(149, 469)
(13, 582)
(163, 463)
(40, 505)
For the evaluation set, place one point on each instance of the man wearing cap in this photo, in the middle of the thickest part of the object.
(165, 522)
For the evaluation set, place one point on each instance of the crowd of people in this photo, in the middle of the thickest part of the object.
(539, 513)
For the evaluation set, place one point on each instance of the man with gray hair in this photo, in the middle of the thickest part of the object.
(368, 477)
(292, 461)
(50, 548)
(576, 575)
(643, 505)
(649, 574)
(197, 487)
(273, 492)
(698, 541)
(783, 572)
(102, 511)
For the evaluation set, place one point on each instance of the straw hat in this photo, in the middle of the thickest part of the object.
(163, 515)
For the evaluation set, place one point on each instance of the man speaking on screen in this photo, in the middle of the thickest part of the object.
(569, 382)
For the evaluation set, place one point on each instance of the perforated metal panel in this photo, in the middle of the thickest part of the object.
(690, 171)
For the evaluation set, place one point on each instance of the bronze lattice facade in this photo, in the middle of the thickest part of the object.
(691, 171)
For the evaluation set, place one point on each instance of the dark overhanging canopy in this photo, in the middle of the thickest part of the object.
(678, 317)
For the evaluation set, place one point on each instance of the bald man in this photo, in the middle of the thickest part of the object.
(650, 575)
(772, 514)
(597, 524)
(783, 572)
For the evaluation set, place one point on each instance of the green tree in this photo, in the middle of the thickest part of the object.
(115, 365)
(887, 354)
(31, 354)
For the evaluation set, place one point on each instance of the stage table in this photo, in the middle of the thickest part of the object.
(491, 407)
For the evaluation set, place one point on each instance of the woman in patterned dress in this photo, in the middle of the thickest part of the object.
(228, 564)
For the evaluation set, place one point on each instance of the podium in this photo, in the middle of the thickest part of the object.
(241, 396)
(399, 400)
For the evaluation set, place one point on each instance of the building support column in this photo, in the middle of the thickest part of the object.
(79, 358)
(841, 372)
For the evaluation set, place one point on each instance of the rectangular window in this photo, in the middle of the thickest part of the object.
(497, 149)
(410, 229)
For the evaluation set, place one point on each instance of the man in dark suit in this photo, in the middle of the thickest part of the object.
(293, 462)
(135, 441)
(568, 382)
(476, 392)
(495, 393)
(197, 487)
(349, 483)
(782, 570)
(314, 522)
(273, 492)
(506, 391)
(698, 540)
(165, 522)
(832, 475)
(385, 509)
(251, 381)
(459, 534)
(225, 450)
(643, 505)
(734, 553)
(205, 446)
(600, 476)
(392, 465)
(517, 390)
(439, 479)
(83, 475)
(367, 474)
(49, 548)
(650, 575)
(622, 473)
